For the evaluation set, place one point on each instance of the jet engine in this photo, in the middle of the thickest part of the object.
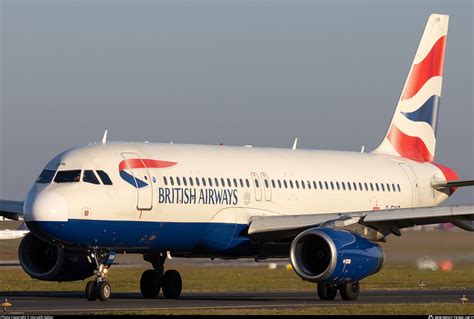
(325, 255)
(45, 261)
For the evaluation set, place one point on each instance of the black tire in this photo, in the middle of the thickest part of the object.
(91, 291)
(150, 284)
(171, 284)
(327, 292)
(104, 290)
(350, 291)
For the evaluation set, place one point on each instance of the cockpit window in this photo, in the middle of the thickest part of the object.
(89, 177)
(104, 177)
(71, 176)
(46, 177)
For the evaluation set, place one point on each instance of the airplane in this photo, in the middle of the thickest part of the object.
(20, 232)
(324, 210)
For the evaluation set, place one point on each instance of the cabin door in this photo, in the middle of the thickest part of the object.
(138, 171)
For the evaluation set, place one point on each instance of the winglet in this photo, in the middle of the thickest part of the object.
(104, 139)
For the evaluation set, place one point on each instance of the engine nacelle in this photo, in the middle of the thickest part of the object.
(325, 255)
(45, 261)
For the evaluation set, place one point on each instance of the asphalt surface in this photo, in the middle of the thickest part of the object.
(51, 303)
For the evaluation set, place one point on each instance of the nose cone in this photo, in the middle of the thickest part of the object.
(45, 206)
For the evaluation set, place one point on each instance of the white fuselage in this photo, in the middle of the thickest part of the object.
(355, 182)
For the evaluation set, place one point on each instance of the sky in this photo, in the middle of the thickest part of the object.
(209, 72)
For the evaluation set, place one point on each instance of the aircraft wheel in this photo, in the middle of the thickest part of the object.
(150, 284)
(91, 291)
(349, 291)
(327, 292)
(171, 284)
(104, 290)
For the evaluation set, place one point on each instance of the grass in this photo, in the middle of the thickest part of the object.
(125, 279)
(379, 309)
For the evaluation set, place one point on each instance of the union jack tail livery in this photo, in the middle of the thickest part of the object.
(412, 132)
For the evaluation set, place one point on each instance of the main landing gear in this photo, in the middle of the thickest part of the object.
(155, 279)
(100, 287)
(349, 291)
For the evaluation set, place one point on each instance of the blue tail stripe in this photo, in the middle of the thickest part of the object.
(428, 112)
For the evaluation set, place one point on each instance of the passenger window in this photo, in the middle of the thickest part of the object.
(241, 182)
(165, 180)
(332, 185)
(349, 186)
(383, 187)
(273, 183)
(222, 182)
(309, 184)
(320, 185)
(266, 183)
(185, 182)
(197, 182)
(366, 187)
(399, 189)
(209, 182)
(285, 184)
(216, 182)
(247, 182)
(279, 183)
(291, 183)
(256, 183)
(354, 184)
(303, 185)
(326, 184)
(235, 183)
(371, 187)
(89, 177)
(377, 186)
(337, 185)
(343, 185)
(297, 184)
(388, 187)
(228, 182)
(178, 181)
(171, 181)
(72, 176)
(45, 177)
(191, 181)
(203, 182)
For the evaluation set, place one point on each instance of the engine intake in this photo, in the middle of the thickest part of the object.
(334, 256)
(45, 261)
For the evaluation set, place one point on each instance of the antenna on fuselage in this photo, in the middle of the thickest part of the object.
(294, 144)
(104, 139)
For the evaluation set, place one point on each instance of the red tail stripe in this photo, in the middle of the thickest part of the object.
(407, 146)
(148, 163)
(432, 65)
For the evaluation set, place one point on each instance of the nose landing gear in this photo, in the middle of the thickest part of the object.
(100, 287)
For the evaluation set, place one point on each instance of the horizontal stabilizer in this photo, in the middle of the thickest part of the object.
(458, 183)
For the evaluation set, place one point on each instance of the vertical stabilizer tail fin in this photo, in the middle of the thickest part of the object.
(412, 132)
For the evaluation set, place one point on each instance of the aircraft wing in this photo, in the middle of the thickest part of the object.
(11, 209)
(274, 228)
